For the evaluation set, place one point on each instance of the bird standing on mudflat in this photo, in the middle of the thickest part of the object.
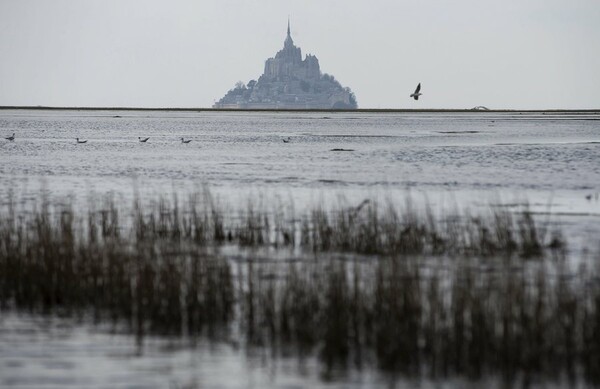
(417, 92)
(80, 141)
(185, 141)
(144, 140)
(10, 138)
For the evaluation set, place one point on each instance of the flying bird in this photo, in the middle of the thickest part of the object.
(185, 141)
(143, 140)
(11, 138)
(417, 92)
(81, 141)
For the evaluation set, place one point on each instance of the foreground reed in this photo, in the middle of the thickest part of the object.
(440, 298)
(404, 317)
(367, 228)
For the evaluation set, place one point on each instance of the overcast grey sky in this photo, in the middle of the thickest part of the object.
(501, 54)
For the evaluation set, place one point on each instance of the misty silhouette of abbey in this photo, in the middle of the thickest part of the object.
(288, 82)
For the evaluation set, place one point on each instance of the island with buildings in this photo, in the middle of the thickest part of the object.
(290, 82)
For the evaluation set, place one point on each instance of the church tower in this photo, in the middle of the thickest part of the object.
(290, 53)
(288, 40)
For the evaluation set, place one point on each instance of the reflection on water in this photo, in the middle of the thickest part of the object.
(478, 333)
(51, 352)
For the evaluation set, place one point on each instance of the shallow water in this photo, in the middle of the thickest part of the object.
(428, 151)
(550, 161)
(51, 352)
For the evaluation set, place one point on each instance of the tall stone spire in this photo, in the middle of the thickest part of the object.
(288, 40)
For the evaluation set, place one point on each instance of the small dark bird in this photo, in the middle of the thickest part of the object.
(588, 197)
(143, 140)
(11, 138)
(185, 141)
(287, 140)
(417, 92)
(81, 141)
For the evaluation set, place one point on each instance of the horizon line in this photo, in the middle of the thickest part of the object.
(200, 109)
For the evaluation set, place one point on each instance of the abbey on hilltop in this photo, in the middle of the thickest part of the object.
(289, 82)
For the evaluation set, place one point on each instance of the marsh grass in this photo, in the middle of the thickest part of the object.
(435, 297)
(395, 313)
(369, 229)
(52, 260)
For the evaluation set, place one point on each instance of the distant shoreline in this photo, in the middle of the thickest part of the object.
(362, 110)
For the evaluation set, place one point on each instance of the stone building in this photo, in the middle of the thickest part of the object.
(290, 82)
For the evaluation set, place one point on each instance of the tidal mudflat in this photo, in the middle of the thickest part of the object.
(440, 247)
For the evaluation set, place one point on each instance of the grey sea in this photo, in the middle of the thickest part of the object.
(544, 161)
(551, 161)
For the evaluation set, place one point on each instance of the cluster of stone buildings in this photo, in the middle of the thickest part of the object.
(290, 82)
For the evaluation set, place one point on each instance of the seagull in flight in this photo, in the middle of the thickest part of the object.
(143, 140)
(11, 138)
(417, 92)
(185, 141)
